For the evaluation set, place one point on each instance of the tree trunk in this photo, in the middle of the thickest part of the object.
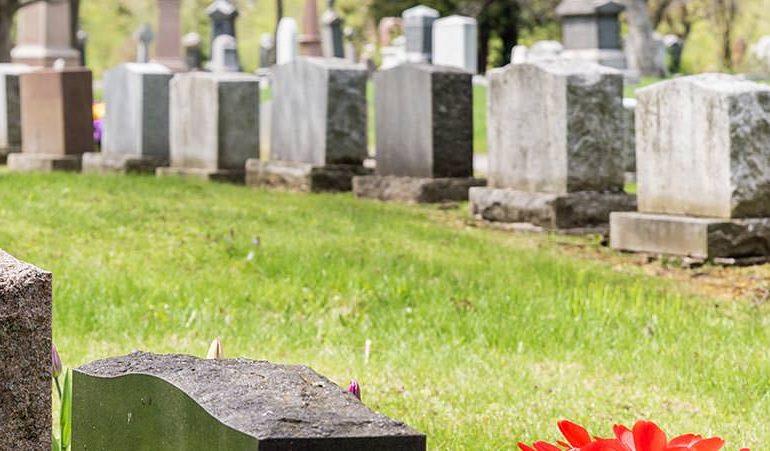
(6, 22)
(640, 42)
(74, 23)
(483, 49)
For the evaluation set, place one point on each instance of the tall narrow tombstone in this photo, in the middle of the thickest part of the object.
(224, 55)
(286, 46)
(226, 405)
(310, 39)
(192, 50)
(10, 109)
(214, 120)
(136, 130)
(56, 120)
(43, 35)
(266, 51)
(144, 37)
(25, 360)
(332, 38)
(703, 170)
(327, 96)
(418, 28)
(223, 14)
(424, 120)
(455, 42)
(591, 31)
(168, 47)
(555, 135)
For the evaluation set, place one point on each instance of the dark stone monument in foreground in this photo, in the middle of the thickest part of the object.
(25, 356)
(424, 117)
(173, 402)
(318, 127)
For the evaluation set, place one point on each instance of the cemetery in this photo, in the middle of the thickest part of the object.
(384, 225)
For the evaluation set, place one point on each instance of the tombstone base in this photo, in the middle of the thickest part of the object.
(303, 177)
(213, 175)
(30, 162)
(100, 163)
(706, 238)
(4, 152)
(414, 189)
(581, 210)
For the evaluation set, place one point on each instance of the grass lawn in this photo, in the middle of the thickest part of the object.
(479, 337)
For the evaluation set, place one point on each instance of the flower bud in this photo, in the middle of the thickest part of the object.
(354, 389)
(215, 350)
(56, 367)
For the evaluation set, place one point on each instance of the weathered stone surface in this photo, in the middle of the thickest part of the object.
(237, 176)
(124, 164)
(43, 35)
(303, 177)
(10, 108)
(32, 162)
(214, 121)
(418, 29)
(688, 236)
(172, 402)
(629, 135)
(455, 43)
(319, 112)
(556, 127)
(702, 147)
(414, 189)
(136, 123)
(550, 211)
(25, 360)
(424, 117)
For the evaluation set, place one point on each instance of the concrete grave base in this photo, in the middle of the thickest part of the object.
(580, 210)
(302, 176)
(707, 238)
(4, 152)
(32, 162)
(414, 189)
(101, 163)
(213, 175)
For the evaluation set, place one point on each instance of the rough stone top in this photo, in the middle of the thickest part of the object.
(419, 11)
(221, 9)
(567, 67)
(219, 77)
(15, 275)
(588, 7)
(717, 83)
(456, 20)
(261, 399)
(64, 70)
(13, 69)
(430, 68)
(146, 68)
(329, 63)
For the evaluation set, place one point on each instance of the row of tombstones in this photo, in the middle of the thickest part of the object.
(555, 131)
(146, 401)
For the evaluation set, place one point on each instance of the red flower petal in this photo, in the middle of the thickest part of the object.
(624, 436)
(685, 440)
(649, 437)
(543, 446)
(525, 447)
(709, 444)
(575, 434)
(605, 445)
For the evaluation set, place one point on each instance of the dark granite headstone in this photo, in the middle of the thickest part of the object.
(223, 14)
(590, 24)
(418, 29)
(25, 356)
(172, 402)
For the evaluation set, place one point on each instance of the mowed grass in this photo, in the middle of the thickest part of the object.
(479, 338)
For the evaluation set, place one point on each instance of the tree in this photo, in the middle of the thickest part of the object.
(723, 14)
(641, 38)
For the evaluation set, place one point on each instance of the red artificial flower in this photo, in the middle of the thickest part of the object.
(576, 435)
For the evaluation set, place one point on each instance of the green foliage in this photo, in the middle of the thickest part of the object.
(63, 441)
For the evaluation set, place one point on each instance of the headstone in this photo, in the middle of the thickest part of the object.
(56, 120)
(703, 169)
(226, 404)
(43, 35)
(332, 38)
(266, 51)
(310, 40)
(192, 50)
(387, 28)
(540, 51)
(418, 28)
(555, 135)
(136, 124)
(591, 31)
(224, 55)
(25, 362)
(393, 55)
(455, 42)
(144, 37)
(223, 14)
(328, 97)
(10, 109)
(168, 49)
(214, 125)
(351, 53)
(286, 45)
(424, 121)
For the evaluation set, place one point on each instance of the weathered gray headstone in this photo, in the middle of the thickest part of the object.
(703, 169)
(418, 28)
(224, 55)
(424, 120)
(266, 51)
(223, 14)
(455, 42)
(287, 44)
(214, 124)
(25, 360)
(331, 33)
(327, 96)
(555, 128)
(192, 49)
(591, 31)
(136, 124)
(172, 402)
(10, 108)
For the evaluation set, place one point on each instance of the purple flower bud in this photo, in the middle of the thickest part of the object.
(354, 389)
(56, 367)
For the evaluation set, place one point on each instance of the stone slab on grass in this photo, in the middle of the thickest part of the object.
(101, 163)
(212, 175)
(414, 189)
(33, 162)
(173, 402)
(304, 177)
